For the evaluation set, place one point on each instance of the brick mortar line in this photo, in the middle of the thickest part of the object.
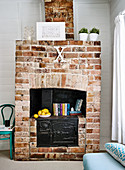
(67, 45)
(60, 73)
(53, 46)
(35, 40)
(64, 46)
(64, 54)
(59, 152)
(59, 47)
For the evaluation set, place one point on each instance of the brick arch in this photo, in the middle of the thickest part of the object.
(72, 81)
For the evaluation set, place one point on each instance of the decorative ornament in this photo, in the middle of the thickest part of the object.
(28, 33)
(60, 57)
(72, 109)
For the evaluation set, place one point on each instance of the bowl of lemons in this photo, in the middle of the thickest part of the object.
(44, 113)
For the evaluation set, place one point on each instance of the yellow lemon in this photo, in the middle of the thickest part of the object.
(43, 113)
(46, 110)
(48, 113)
(36, 115)
(40, 112)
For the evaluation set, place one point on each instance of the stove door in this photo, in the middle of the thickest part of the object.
(43, 133)
(64, 133)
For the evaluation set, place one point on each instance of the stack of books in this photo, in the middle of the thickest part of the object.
(78, 104)
(77, 108)
(61, 109)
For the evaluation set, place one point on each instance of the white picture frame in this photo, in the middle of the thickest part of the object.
(50, 31)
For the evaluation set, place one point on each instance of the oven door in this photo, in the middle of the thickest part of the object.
(43, 133)
(64, 133)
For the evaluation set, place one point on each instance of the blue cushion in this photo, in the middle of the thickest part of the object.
(117, 151)
(100, 161)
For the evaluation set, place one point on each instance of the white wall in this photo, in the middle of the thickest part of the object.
(116, 7)
(14, 16)
(89, 14)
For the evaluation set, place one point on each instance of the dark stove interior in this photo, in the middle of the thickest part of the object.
(57, 131)
(45, 97)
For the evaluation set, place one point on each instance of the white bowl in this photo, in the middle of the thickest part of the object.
(44, 115)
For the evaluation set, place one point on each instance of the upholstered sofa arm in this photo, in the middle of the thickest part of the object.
(100, 161)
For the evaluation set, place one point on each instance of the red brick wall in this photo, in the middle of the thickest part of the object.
(35, 68)
(60, 11)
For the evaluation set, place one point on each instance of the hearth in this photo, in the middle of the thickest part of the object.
(57, 131)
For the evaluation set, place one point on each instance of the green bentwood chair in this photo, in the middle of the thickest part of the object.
(7, 130)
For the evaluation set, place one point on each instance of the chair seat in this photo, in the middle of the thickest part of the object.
(7, 129)
(5, 133)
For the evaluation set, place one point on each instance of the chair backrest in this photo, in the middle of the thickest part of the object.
(11, 106)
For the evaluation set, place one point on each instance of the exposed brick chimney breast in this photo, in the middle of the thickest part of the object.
(61, 11)
(36, 69)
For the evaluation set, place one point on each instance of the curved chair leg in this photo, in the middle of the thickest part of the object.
(11, 145)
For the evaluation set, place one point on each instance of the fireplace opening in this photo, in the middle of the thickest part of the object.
(46, 97)
(61, 130)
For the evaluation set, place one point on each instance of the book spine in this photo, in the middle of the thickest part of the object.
(65, 109)
(68, 109)
(77, 104)
(56, 109)
(59, 109)
(80, 105)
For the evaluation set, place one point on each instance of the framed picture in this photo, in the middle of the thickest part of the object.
(50, 31)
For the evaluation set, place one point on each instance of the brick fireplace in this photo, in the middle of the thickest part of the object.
(35, 69)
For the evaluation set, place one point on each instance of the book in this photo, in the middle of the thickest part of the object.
(74, 113)
(61, 109)
(78, 104)
(65, 114)
(55, 109)
(68, 109)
